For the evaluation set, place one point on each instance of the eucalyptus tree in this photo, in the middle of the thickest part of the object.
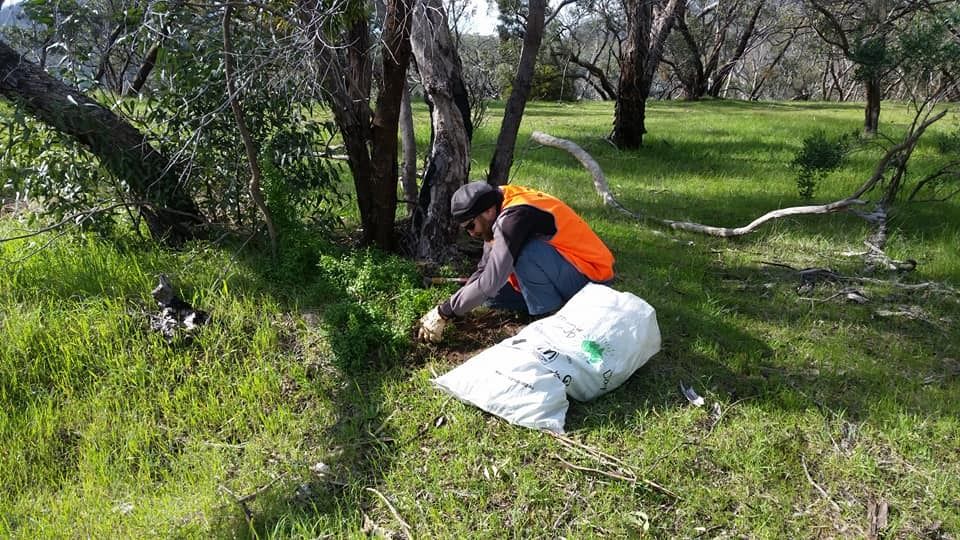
(448, 163)
(343, 50)
(92, 41)
(865, 31)
(715, 38)
(588, 37)
(532, 32)
(150, 181)
(648, 23)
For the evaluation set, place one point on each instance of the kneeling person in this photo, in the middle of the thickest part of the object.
(537, 254)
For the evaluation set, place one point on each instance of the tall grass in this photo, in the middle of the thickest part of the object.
(306, 399)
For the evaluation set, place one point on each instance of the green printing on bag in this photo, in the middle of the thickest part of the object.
(594, 350)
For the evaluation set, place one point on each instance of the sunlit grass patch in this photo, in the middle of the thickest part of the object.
(306, 399)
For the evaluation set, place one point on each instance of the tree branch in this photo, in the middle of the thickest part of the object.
(602, 187)
(248, 143)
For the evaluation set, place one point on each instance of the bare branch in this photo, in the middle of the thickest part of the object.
(602, 187)
(248, 143)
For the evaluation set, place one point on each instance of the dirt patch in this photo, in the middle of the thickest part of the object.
(478, 331)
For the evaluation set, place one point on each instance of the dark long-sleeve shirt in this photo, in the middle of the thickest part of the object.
(513, 228)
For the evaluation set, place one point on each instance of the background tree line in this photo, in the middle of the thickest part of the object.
(189, 115)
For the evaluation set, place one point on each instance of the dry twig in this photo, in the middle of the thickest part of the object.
(823, 493)
(396, 515)
(616, 476)
(623, 471)
(242, 500)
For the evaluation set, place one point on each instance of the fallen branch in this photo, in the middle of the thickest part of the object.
(84, 215)
(599, 455)
(603, 188)
(244, 499)
(877, 518)
(256, 493)
(810, 276)
(615, 476)
(727, 232)
(599, 180)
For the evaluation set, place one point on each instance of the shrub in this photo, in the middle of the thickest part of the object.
(820, 155)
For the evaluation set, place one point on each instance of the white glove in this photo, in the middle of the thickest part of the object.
(432, 326)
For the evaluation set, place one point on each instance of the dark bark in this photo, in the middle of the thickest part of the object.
(723, 73)
(149, 61)
(153, 179)
(642, 51)
(606, 89)
(448, 164)
(758, 87)
(105, 59)
(693, 79)
(522, 81)
(705, 75)
(382, 199)
(346, 83)
(851, 29)
(369, 137)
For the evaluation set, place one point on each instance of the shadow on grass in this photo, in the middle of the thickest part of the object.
(337, 391)
(843, 357)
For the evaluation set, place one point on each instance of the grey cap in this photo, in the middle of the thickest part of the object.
(472, 199)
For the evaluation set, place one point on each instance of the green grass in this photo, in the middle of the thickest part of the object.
(107, 431)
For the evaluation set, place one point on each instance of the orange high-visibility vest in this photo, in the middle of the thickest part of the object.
(574, 240)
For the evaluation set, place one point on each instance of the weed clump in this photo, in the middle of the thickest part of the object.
(820, 155)
(374, 302)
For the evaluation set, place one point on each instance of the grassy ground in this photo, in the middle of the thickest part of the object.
(304, 410)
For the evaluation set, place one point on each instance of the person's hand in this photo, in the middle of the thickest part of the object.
(431, 326)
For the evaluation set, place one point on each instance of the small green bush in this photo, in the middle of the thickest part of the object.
(377, 299)
(820, 155)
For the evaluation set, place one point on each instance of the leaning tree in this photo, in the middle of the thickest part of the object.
(153, 180)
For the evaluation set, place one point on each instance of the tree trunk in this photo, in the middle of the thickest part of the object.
(872, 111)
(693, 81)
(642, 51)
(449, 162)
(122, 149)
(408, 143)
(381, 214)
(249, 145)
(105, 58)
(149, 61)
(522, 81)
(758, 86)
(370, 138)
(606, 88)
